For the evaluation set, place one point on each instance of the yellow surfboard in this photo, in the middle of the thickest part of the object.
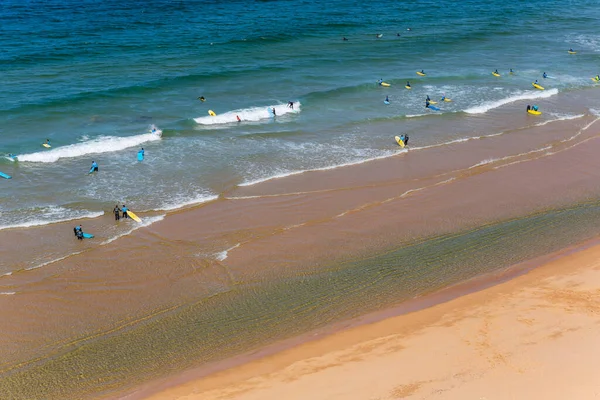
(571, 52)
(447, 100)
(133, 216)
(420, 73)
(385, 84)
(211, 113)
(408, 87)
(534, 112)
(399, 141)
(535, 85)
(46, 145)
(495, 74)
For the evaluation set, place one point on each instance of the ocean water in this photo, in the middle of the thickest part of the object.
(94, 76)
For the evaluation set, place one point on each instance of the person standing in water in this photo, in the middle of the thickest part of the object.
(274, 114)
(117, 210)
(94, 167)
(125, 209)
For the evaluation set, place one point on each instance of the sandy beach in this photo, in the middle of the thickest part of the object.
(533, 337)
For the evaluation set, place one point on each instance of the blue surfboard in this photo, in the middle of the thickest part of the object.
(140, 156)
(87, 235)
(91, 170)
(2, 174)
(434, 108)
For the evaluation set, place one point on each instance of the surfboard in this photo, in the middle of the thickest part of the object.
(140, 156)
(495, 74)
(384, 84)
(211, 113)
(447, 100)
(571, 52)
(399, 141)
(595, 80)
(534, 112)
(91, 171)
(434, 108)
(420, 73)
(46, 145)
(535, 85)
(432, 102)
(133, 216)
(408, 87)
(2, 174)
(386, 102)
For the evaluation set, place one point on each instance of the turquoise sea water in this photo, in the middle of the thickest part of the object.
(94, 76)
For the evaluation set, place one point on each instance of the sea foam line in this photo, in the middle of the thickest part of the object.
(252, 114)
(529, 95)
(330, 167)
(177, 205)
(145, 222)
(222, 255)
(29, 224)
(102, 144)
(560, 118)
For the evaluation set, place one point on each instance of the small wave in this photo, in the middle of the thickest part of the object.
(180, 203)
(493, 160)
(560, 118)
(529, 95)
(102, 144)
(7, 293)
(55, 215)
(253, 114)
(223, 254)
(595, 112)
(291, 173)
(52, 261)
(145, 222)
(422, 115)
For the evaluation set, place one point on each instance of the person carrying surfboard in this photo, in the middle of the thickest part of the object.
(94, 167)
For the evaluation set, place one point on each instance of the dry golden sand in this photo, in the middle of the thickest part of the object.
(534, 337)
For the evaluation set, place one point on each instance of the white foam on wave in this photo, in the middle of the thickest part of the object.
(53, 215)
(145, 222)
(560, 117)
(7, 293)
(330, 167)
(493, 160)
(178, 203)
(595, 112)
(102, 144)
(52, 261)
(220, 256)
(253, 114)
(528, 95)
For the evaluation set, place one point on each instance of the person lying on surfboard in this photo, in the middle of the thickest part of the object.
(201, 98)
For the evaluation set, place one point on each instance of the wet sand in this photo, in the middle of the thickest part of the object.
(535, 336)
(272, 261)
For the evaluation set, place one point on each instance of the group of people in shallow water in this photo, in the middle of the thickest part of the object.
(117, 211)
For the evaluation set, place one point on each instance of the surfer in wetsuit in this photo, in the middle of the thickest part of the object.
(117, 210)
(511, 71)
(273, 109)
(238, 118)
(201, 98)
(387, 100)
(125, 209)
(291, 104)
(528, 107)
(407, 84)
(535, 108)
(344, 39)
(405, 140)
(427, 102)
(544, 75)
(141, 151)
(78, 230)
(496, 72)
(94, 167)
(423, 72)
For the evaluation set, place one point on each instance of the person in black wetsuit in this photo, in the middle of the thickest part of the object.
(117, 210)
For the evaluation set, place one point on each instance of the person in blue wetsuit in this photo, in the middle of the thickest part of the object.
(94, 166)
(387, 100)
(534, 108)
(402, 138)
(443, 98)
(78, 230)
(544, 75)
(380, 81)
(125, 209)
(536, 82)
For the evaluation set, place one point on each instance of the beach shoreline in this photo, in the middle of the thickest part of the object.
(258, 375)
